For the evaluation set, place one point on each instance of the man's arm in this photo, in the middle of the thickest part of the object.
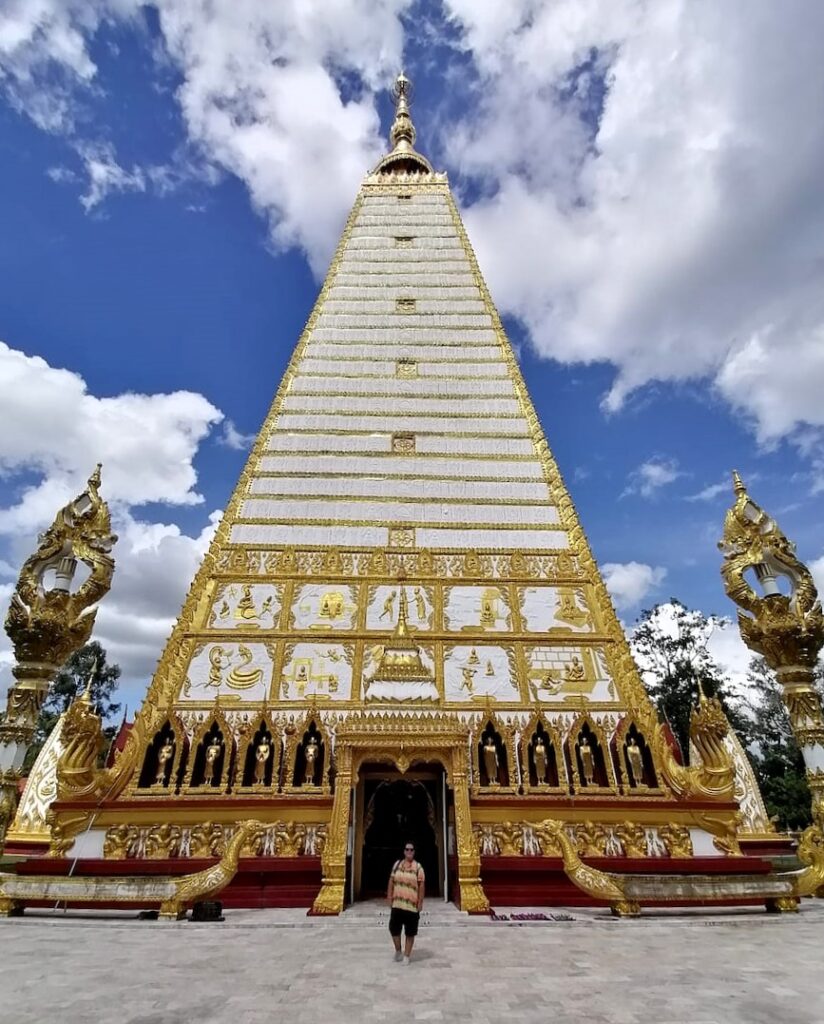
(421, 887)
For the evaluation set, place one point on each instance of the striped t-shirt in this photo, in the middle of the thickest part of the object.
(405, 878)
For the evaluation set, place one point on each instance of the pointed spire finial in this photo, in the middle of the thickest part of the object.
(402, 133)
(737, 483)
(402, 629)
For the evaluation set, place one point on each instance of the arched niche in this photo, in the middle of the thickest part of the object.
(208, 774)
(258, 757)
(307, 757)
(632, 750)
(540, 744)
(493, 774)
(151, 776)
(593, 772)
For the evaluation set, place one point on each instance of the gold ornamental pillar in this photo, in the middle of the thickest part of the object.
(471, 896)
(787, 630)
(48, 621)
(332, 893)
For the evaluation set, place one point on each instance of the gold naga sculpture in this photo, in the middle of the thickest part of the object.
(173, 895)
(787, 630)
(714, 777)
(83, 740)
(626, 893)
(46, 624)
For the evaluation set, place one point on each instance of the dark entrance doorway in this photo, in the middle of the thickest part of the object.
(396, 811)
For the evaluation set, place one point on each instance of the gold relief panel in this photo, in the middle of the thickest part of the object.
(324, 606)
(469, 609)
(406, 368)
(246, 606)
(480, 673)
(403, 443)
(383, 601)
(554, 609)
(231, 671)
(316, 671)
(566, 673)
(402, 537)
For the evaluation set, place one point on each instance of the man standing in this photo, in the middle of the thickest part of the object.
(405, 896)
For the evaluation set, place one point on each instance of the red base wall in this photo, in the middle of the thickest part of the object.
(259, 882)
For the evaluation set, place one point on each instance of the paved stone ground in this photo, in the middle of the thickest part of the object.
(279, 966)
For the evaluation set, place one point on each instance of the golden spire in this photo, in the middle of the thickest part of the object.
(402, 160)
(402, 133)
(738, 485)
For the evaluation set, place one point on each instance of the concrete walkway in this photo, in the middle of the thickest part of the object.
(279, 965)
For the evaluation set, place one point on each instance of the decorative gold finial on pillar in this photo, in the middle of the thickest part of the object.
(46, 624)
(787, 630)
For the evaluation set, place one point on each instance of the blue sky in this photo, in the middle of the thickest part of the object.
(647, 213)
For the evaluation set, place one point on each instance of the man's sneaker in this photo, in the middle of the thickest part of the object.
(406, 961)
(398, 956)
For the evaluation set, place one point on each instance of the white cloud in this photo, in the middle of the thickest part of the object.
(711, 491)
(54, 428)
(680, 234)
(629, 583)
(651, 476)
(231, 437)
(259, 94)
(54, 431)
(104, 175)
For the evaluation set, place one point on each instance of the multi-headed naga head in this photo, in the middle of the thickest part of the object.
(785, 628)
(47, 618)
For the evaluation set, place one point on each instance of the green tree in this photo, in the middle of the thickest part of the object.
(69, 683)
(670, 644)
(776, 756)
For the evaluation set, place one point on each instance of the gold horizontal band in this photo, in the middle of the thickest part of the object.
(475, 456)
(403, 499)
(410, 525)
(423, 396)
(336, 432)
(474, 361)
(289, 411)
(354, 475)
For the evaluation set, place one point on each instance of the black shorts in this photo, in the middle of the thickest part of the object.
(406, 919)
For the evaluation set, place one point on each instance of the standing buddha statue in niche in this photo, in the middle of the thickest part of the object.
(635, 760)
(539, 756)
(210, 764)
(164, 756)
(310, 757)
(491, 761)
(420, 605)
(587, 761)
(262, 751)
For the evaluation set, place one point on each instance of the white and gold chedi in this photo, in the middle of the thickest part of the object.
(400, 575)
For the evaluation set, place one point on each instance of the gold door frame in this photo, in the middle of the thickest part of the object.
(400, 741)
(359, 836)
